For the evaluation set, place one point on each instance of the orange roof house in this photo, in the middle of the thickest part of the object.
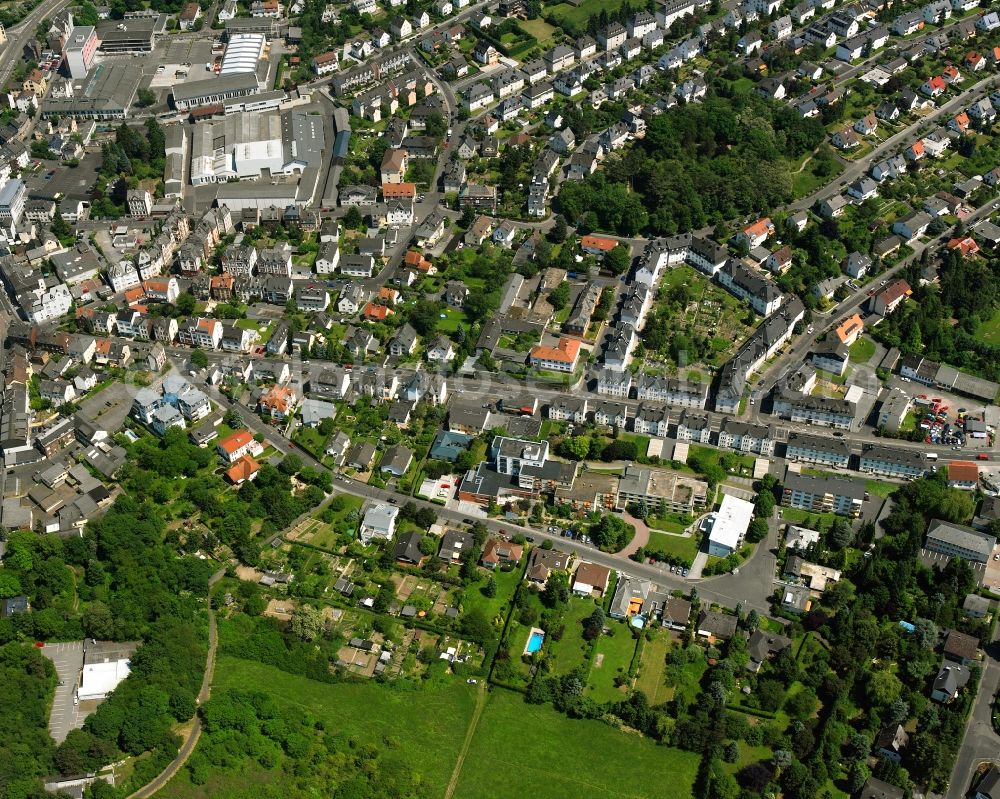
(235, 446)
(223, 281)
(134, 295)
(377, 313)
(414, 260)
(278, 401)
(849, 330)
(974, 61)
(960, 122)
(950, 74)
(387, 295)
(756, 233)
(598, 245)
(399, 191)
(967, 246)
(244, 469)
(563, 356)
(500, 553)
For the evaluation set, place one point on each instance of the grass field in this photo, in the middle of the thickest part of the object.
(570, 651)
(453, 318)
(540, 29)
(676, 545)
(806, 181)
(685, 680)
(989, 331)
(327, 534)
(795, 516)
(652, 679)
(579, 15)
(429, 724)
(531, 750)
(862, 350)
(617, 651)
(473, 597)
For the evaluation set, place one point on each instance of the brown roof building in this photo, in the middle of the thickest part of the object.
(960, 647)
(498, 553)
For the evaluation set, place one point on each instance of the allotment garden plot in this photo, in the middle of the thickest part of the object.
(694, 324)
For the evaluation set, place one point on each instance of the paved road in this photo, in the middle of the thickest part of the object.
(726, 589)
(980, 742)
(206, 689)
(22, 33)
(890, 146)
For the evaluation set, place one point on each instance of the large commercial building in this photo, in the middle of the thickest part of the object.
(197, 93)
(108, 94)
(243, 53)
(957, 541)
(80, 49)
(131, 35)
(249, 146)
(729, 526)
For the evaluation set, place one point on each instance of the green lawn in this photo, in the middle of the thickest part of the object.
(473, 597)
(796, 516)
(989, 331)
(531, 750)
(538, 28)
(679, 546)
(453, 318)
(862, 350)
(715, 456)
(685, 681)
(652, 677)
(311, 439)
(428, 724)
(569, 651)
(617, 650)
(579, 14)
(327, 534)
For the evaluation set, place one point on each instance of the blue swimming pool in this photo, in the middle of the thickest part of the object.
(534, 641)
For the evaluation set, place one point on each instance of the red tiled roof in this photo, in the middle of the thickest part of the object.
(232, 443)
(963, 472)
(245, 468)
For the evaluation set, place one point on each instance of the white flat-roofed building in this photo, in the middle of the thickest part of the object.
(100, 679)
(243, 53)
(729, 526)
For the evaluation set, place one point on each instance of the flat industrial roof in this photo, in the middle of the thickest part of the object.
(731, 521)
(223, 83)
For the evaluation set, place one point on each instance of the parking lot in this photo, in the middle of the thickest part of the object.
(110, 406)
(980, 571)
(65, 715)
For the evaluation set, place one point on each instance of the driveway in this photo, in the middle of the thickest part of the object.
(640, 539)
(65, 716)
